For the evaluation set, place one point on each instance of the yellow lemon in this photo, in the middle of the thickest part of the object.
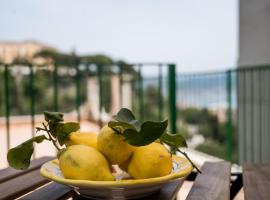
(150, 161)
(113, 146)
(84, 163)
(124, 166)
(84, 138)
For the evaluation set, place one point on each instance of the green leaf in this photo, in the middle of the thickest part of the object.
(126, 117)
(173, 140)
(53, 116)
(120, 127)
(64, 129)
(52, 127)
(19, 157)
(150, 131)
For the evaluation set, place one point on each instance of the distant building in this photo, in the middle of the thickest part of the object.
(25, 50)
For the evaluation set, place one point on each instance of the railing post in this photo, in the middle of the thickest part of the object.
(172, 97)
(32, 101)
(121, 84)
(7, 105)
(141, 103)
(99, 71)
(229, 126)
(55, 87)
(78, 92)
(160, 96)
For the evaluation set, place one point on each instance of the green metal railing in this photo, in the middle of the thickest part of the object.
(82, 69)
(208, 95)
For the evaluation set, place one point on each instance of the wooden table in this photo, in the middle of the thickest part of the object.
(215, 183)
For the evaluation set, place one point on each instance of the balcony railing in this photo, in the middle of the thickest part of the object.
(30, 89)
(216, 111)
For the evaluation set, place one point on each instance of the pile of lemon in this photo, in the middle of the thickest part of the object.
(89, 156)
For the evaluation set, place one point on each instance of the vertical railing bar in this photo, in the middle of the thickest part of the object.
(78, 92)
(172, 97)
(141, 99)
(229, 116)
(99, 71)
(160, 94)
(32, 102)
(7, 105)
(55, 87)
(121, 84)
(260, 103)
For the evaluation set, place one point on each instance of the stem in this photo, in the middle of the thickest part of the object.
(193, 165)
(40, 129)
(50, 137)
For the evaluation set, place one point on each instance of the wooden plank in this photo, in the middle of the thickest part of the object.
(213, 183)
(9, 173)
(16, 187)
(52, 191)
(256, 181)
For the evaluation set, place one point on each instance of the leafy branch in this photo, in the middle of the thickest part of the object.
(57, 132)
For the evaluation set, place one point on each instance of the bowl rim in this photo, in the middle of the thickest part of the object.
(184, 171)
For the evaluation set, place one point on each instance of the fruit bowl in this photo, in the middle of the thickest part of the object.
(124, 187)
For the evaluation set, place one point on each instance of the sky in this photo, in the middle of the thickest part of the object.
(196, 35)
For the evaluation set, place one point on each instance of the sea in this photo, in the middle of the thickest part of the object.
(201, 90)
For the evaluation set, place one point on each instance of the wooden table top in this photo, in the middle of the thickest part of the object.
(215, 183)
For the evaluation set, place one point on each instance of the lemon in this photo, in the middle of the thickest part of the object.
(113, 146)
(150, 161)
(84, 138)
(124, 165)
(84, 163)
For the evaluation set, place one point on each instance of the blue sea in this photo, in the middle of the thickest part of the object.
(200, 90)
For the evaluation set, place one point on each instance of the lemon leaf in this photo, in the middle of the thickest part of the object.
(126, 117)
(53, 116)
(19, 157)
(64, 129)
(119, 127)
(150, 131)
(173, 140)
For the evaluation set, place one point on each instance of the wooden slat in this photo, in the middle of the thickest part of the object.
(16, 187)
(256, 181)
(213, 183)
(9, 173)
(52, 191)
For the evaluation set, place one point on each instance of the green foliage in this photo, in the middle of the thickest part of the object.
(64, 129)
(151, 103)
(126, 117)
(19, 157)
(97, 59)
(57, 57)
(149, 132)
(174, 140)
(53, 116)
(192, 115)
(213, 148)
(134, 132)
(206, 129)
(184, 132)
(57, 129)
